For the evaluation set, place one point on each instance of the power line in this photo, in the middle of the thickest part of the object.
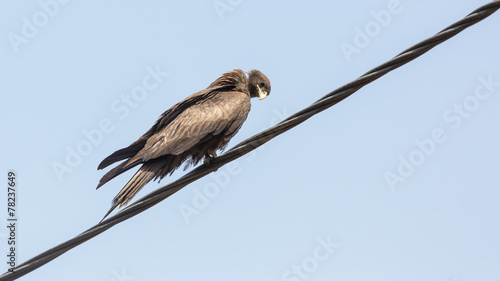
(255, 141)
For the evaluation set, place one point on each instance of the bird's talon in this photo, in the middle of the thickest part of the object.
(209, 157)
(207, 160)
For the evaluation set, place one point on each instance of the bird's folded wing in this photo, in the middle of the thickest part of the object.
(219, 113)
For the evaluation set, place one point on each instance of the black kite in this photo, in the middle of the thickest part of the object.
(193, 129)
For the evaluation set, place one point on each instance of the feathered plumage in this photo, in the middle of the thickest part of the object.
(191, 130)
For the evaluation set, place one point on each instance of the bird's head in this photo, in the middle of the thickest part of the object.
(259, 85)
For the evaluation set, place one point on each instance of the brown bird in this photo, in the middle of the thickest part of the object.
(191, 130)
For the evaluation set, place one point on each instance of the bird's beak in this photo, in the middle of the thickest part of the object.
(262, 94)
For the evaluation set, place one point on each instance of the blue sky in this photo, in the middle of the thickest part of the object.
(397, 182)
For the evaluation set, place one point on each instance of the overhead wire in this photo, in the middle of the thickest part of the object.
(255, 141)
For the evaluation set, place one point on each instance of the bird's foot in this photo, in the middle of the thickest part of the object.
(209, 157)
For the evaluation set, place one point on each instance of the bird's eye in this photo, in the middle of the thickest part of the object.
(262, 84)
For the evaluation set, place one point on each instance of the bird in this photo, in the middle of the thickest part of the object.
(191, 130)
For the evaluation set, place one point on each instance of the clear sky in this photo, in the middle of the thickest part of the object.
(397, 182)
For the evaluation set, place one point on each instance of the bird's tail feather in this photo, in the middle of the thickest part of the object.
(123, 167)
(122, 154)
(144, 175)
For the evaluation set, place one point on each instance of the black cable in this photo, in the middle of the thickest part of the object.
(255, 141)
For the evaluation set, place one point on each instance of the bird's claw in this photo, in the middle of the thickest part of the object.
(207, 160)
(209, 157)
